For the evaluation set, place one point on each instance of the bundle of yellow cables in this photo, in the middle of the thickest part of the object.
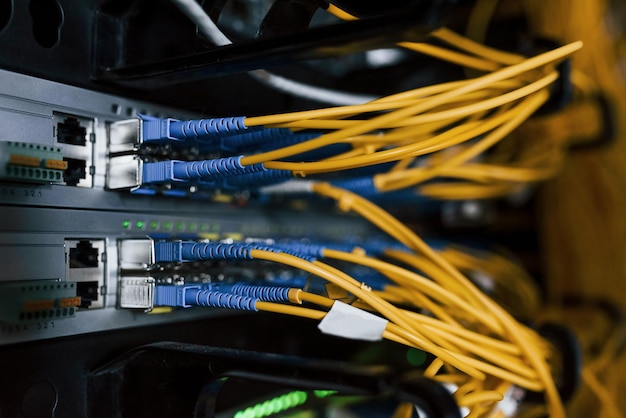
(454, 123)
(479, 347)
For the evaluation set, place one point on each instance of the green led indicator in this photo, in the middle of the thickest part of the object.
(324, 393)
(415, 357)
(214, 228)
(270, 407)
(140, 224)
(191, 227)
(292, 398)
(154, 225)
(180, 227)
(167, 225)
(275, 405)
(126, 224)
(204, 228)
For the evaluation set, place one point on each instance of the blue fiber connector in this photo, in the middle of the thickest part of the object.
(265, 139)
(193, 295)
(160, 172)
(192, 251)
(256, 180)
(167, 251)
(302, 250)
(184, 251)
(174, 171)
(171, 295)
(215, 299)
(217, 168)
(156, 129)
(250, 140)
(163, 130)
(208, 129)
(284, 250)
(264, 293)
(287, 140)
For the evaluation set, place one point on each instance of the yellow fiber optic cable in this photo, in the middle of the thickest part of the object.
(481, 397)
(488, 368)
(400, 179)
(427, 49)
(490, 172)
(386, 309)
(317, 299)
(350, 201)
(486, 104)
(478, 102)
(454, 57)
(383, 120)
(328, 273)
(607, 401)
(454, 135)
(433, 368)
(340, 13)
(521, 338)
(391, 181)
(504, 361)
(420, 283)
(478, 49)
(431, 270)
(469, 335)
(501, 270)
(403, 410)
(486, 351)
(290, 310)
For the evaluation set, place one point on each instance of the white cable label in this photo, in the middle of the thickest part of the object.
(347, 321)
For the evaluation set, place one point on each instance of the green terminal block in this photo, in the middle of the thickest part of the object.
(37, 300)
(32, 163)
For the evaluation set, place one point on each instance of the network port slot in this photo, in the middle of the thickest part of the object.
(76, 134)
(70, 131)
(37, 300)
(143, 279)
(85, 263)
(32, 163)
(137, 293)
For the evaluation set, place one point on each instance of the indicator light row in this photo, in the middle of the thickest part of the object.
(168, 226)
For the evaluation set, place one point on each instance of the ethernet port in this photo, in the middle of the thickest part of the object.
(76, 135)
(75, 172)
(85, 260)
(70, 131)
(84, 255)
(88, 292)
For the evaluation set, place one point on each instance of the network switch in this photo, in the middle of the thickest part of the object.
(77, 228)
